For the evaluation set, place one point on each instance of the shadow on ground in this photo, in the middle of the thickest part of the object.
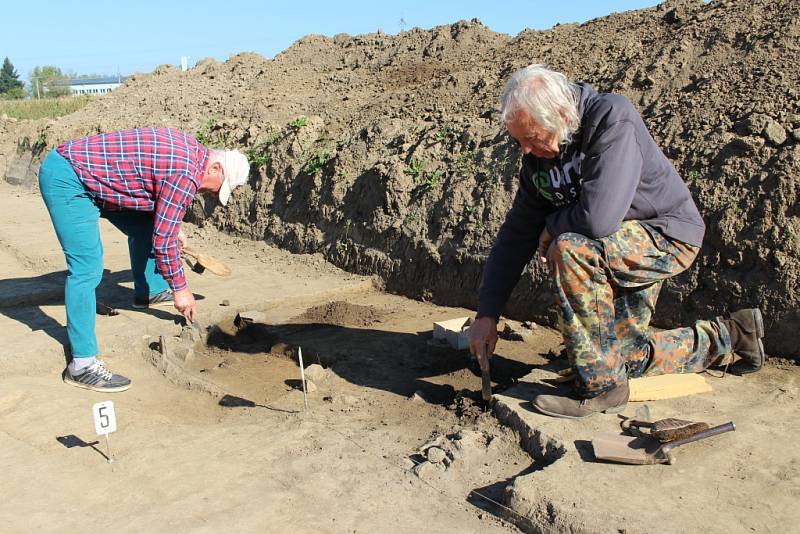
(399, 362)
(22, 299)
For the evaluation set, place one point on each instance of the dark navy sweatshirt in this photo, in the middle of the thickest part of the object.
(612, 171)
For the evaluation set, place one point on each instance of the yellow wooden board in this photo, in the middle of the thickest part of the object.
(650, 388)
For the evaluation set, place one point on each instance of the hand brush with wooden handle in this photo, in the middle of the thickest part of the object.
(207, 261)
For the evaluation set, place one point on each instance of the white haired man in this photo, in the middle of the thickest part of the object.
(603, 207)
(142, 180)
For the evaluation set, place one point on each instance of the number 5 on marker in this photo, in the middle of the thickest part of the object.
(105, 420)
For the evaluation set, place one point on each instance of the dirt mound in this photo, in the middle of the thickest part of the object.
(341, 313)
(384, 152)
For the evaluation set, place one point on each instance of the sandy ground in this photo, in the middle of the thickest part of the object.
(183, 462)
(743, 481)
(215, 436)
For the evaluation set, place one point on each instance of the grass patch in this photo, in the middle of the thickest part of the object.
(415, 168)
(444, 133)
(43, 108)
(299, 122)
(430, 180)
(465, 165)
(317, 161)
(259, 155)
(424, 179)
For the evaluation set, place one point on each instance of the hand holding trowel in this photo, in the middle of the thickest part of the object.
(482, 336)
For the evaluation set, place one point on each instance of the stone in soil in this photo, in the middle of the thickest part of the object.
(436, 455)
(249, 317)
(774, 133)
(427, 470)
(514, 331)
(316, 372)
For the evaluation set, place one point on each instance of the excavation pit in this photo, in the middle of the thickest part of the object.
(369, 359)
(381, 372)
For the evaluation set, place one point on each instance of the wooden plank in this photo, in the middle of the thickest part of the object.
(650, 388)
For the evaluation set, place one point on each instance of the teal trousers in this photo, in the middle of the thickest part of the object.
(76, 219)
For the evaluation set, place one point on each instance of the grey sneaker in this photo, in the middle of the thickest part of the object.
(164, 298)
(97, 378)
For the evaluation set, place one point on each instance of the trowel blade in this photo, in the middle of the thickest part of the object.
(486, 385)
(626, 449)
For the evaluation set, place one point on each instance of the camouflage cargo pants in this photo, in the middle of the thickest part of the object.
(607, 290)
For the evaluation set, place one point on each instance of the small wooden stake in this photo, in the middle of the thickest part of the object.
(302, 376)
(108, 451)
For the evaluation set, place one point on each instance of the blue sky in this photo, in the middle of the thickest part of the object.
(94, 37)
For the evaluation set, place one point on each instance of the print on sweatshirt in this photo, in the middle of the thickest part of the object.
(558, 180)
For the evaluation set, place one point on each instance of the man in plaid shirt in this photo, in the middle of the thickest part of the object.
(142, 180)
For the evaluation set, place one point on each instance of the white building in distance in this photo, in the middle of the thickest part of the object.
(93, 86)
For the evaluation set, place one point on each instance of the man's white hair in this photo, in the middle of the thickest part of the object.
(546, 96)
(235, 169)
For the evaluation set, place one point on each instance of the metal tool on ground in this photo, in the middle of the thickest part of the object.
(664, 430)
(208, 262)
(643, 450)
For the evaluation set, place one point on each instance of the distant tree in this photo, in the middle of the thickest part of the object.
(17, 93)
(43, 82)
(10, 86)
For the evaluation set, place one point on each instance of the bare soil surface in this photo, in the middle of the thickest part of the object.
(215, 435)
(218, 438)
(747, 480)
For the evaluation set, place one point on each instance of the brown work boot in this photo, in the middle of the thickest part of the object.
(612, 401)
(746, 328)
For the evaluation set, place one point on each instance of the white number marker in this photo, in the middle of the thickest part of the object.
(105, 422)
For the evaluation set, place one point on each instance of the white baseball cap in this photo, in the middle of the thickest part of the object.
(236, 170)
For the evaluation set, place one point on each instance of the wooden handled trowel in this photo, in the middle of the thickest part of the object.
(643, 450)
(207, 262)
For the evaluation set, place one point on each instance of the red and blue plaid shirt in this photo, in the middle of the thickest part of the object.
(147, 169)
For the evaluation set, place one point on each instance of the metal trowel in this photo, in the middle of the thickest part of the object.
(486, 382)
